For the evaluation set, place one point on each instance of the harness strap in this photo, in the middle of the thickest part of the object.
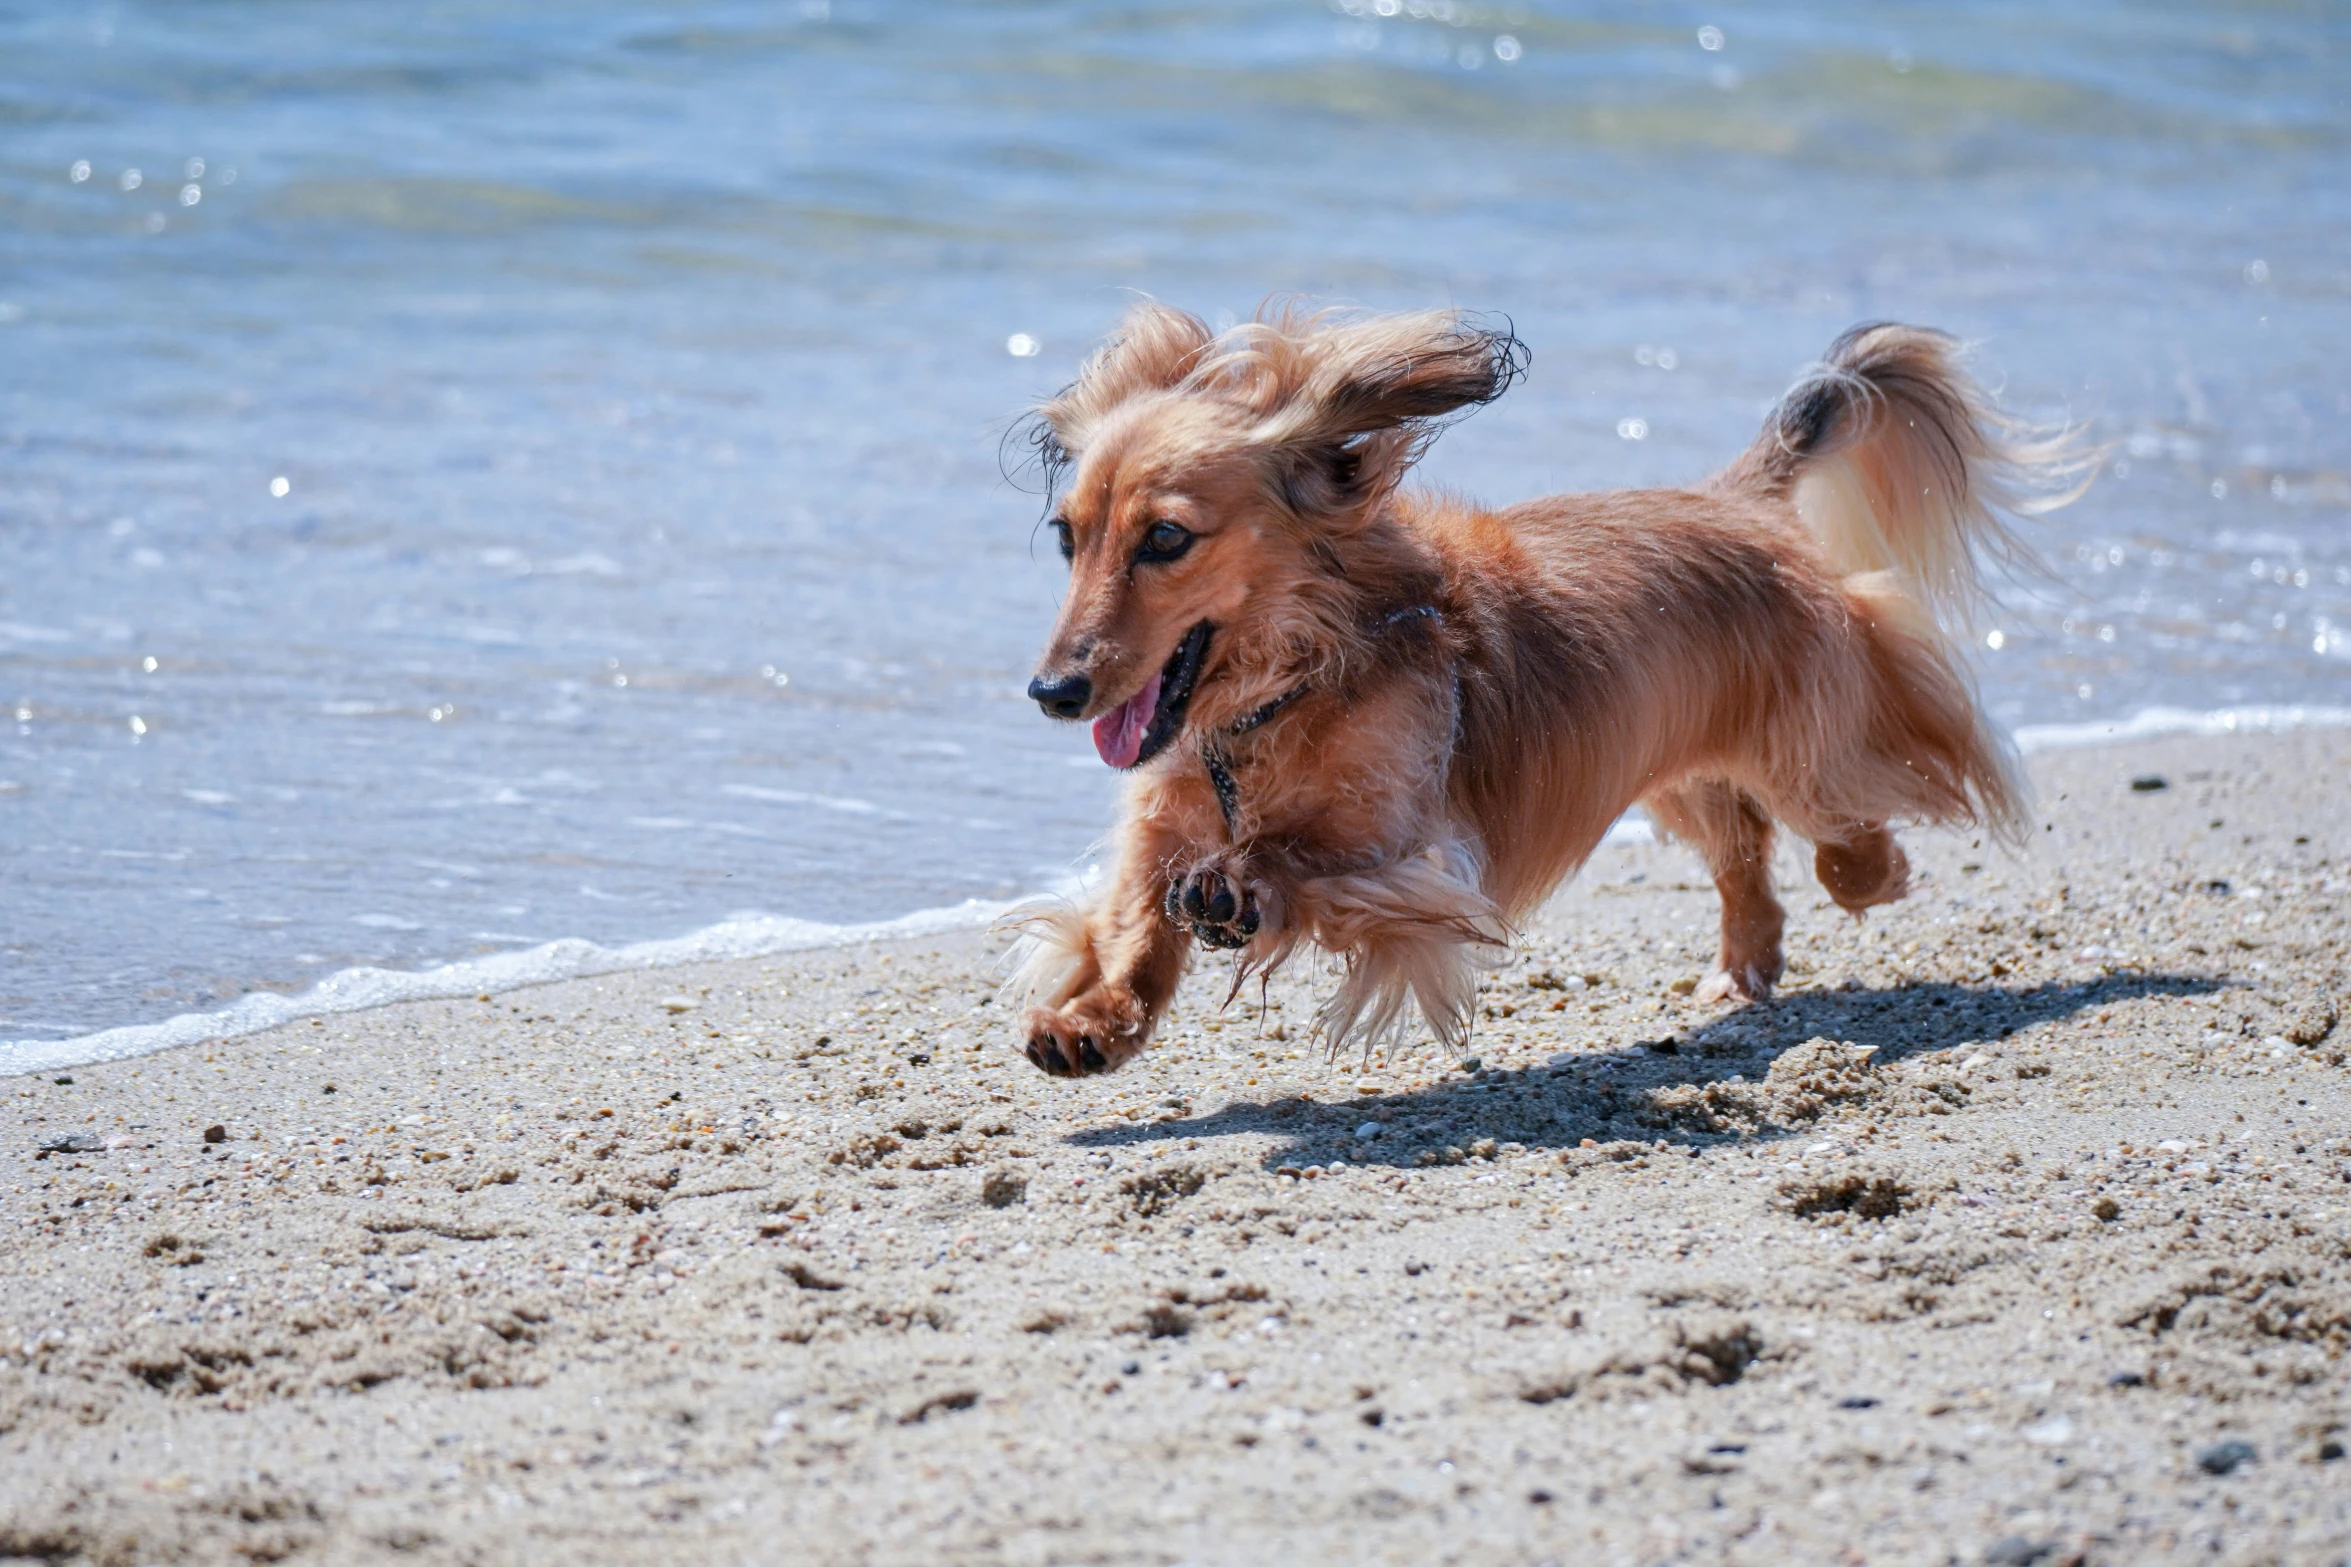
(1266, 712)
(1228, 791)
(1212, 753)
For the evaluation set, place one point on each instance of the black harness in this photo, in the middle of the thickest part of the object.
(1219, 762)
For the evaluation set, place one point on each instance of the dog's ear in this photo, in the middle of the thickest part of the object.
(1363, 399)
(1154, 349)
(1384, 371)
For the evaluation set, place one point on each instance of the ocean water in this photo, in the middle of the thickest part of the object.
(475, 477)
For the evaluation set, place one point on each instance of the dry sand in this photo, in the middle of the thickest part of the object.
(1984, 1243)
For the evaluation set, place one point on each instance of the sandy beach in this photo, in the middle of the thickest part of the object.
(2014, 1232)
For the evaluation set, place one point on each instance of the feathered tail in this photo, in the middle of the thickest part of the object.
(1899, 462)
(1905, 470)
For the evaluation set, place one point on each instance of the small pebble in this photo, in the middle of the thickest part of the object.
(1858, 1401)
(65, 1082)
(2017, 1551)
(2149, 783)
(680, 1003)
(216, 1133)
(1368, 1130)
(2225, 1457)
(2055, 1431)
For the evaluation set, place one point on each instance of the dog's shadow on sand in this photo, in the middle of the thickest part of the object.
(1608, 1095)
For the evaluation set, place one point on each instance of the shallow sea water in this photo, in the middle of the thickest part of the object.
(476, 476)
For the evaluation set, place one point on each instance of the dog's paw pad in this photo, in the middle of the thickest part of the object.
(1218, 911)
(1062, 1046)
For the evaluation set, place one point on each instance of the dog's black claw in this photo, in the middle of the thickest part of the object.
(1047, 1061)
(1091, 1057)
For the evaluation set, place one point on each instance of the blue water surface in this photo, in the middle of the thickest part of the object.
(478, 474)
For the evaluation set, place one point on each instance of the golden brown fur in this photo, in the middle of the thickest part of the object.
(1414, 717)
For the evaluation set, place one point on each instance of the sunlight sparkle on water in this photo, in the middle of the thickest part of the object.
(1022, 346)
(281, 486)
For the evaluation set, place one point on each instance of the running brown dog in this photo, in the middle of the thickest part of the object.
(1387, 723)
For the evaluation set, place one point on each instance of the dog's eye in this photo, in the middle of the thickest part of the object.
(1064, 539)
(1164, 541)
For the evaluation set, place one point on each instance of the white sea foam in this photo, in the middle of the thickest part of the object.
(358, 989)
(2150, 723)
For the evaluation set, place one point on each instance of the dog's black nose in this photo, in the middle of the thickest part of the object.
(1063, 698)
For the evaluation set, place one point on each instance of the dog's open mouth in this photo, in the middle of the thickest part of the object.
(1140, 727)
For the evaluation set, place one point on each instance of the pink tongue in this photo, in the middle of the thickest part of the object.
(1118, 734)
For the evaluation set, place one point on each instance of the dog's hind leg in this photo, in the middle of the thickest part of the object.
(1732, 831)
(1863, 869)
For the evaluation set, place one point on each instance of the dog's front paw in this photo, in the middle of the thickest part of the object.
(1218, 909)
(1087, 1037)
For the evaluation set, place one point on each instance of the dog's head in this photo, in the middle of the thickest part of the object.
(1210, 489)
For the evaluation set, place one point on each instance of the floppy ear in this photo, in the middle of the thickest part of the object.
(1364, 399)
(1154, 349)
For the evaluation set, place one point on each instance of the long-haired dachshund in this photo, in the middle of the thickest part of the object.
(1388, 724)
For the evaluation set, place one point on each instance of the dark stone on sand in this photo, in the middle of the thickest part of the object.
(2225, 1457)
(216, 1133)
(2149, 783)
(2017, 1551)
(2126, 1379)
(79, 1142)
(1857, 1401)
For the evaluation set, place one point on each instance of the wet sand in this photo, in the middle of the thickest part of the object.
(2017, 1230)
